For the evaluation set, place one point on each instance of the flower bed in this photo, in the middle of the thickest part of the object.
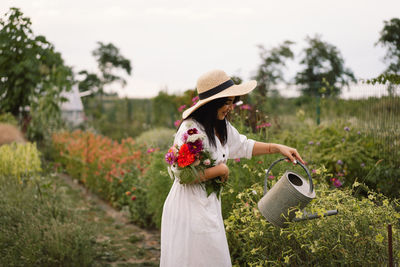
(109, 168)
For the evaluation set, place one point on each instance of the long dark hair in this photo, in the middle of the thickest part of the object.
(206, 115)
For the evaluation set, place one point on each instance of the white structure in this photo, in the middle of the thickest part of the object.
(72, 110)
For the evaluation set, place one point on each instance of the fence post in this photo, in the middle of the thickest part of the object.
(318, 108)
(390, 245)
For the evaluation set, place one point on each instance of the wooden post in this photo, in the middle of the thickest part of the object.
(390, 245)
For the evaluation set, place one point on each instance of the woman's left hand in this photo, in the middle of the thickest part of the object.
(291, 153)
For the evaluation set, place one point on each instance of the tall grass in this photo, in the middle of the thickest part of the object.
(37, 228)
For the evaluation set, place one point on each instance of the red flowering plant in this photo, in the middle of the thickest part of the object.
(190, 159)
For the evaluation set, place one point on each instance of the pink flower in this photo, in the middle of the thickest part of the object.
(263, 125)
(170, 158)
(151, 150)
(181, 108)
(207, 162)
(185, 137)
(176, 123)
(271, 177)
(336, 182)
(237, 160)
(195, 99)
(246, 107)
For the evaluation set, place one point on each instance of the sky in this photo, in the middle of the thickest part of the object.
(171, 43)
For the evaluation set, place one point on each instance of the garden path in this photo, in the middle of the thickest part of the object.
(123, 243)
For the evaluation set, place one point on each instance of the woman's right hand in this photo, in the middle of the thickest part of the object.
(224, 172)
(220, 170)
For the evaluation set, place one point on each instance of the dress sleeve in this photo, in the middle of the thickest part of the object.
(239, 145)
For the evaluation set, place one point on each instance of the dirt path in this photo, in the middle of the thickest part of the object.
(124, 244)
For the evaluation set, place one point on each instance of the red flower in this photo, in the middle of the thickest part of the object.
(185, 158)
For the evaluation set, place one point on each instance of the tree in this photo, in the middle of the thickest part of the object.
(270, 71)
(30, 68)
(390, 38)
(109, 60)
(323, 65)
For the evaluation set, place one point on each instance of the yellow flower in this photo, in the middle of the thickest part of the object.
(252, 234)
(386, 203)
(379, 238)
(299, 214)
(287, 259)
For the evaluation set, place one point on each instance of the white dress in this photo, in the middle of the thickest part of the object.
(192, 229)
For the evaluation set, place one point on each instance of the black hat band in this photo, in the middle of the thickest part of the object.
(216, 89)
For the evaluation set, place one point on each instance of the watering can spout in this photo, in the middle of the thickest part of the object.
(310, 216)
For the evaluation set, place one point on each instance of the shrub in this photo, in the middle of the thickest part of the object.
(357, 236)
(157, 138)
(19, 160)
(158, 183)
(8, 118)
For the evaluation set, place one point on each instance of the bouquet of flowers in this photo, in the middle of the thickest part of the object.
(191, 158)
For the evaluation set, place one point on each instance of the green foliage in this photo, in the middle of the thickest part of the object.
(37, 228)
(322, 60)
(29, 65)
(165, 110)
(158, 184)
(390, 39)
(133, 193)
(157, 138)
(8, 118)
(19, 161)
(385, 78)
(356, 236)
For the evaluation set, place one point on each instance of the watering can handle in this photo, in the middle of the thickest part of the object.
(279, 160)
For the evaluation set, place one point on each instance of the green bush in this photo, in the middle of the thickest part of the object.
(161, 138)
(158, 185)
(38, 229)
(150, 192)
(19, 160)
(8, 118)
(357, 236)
(347, 152)
(137, 201)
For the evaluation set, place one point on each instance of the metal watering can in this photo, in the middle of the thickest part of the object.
(292, 190)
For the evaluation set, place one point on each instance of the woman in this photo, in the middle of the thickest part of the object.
(192, 229)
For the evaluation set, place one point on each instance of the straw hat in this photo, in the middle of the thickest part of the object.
(217, 84)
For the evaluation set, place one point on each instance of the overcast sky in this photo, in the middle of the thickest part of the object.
(171, 43)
